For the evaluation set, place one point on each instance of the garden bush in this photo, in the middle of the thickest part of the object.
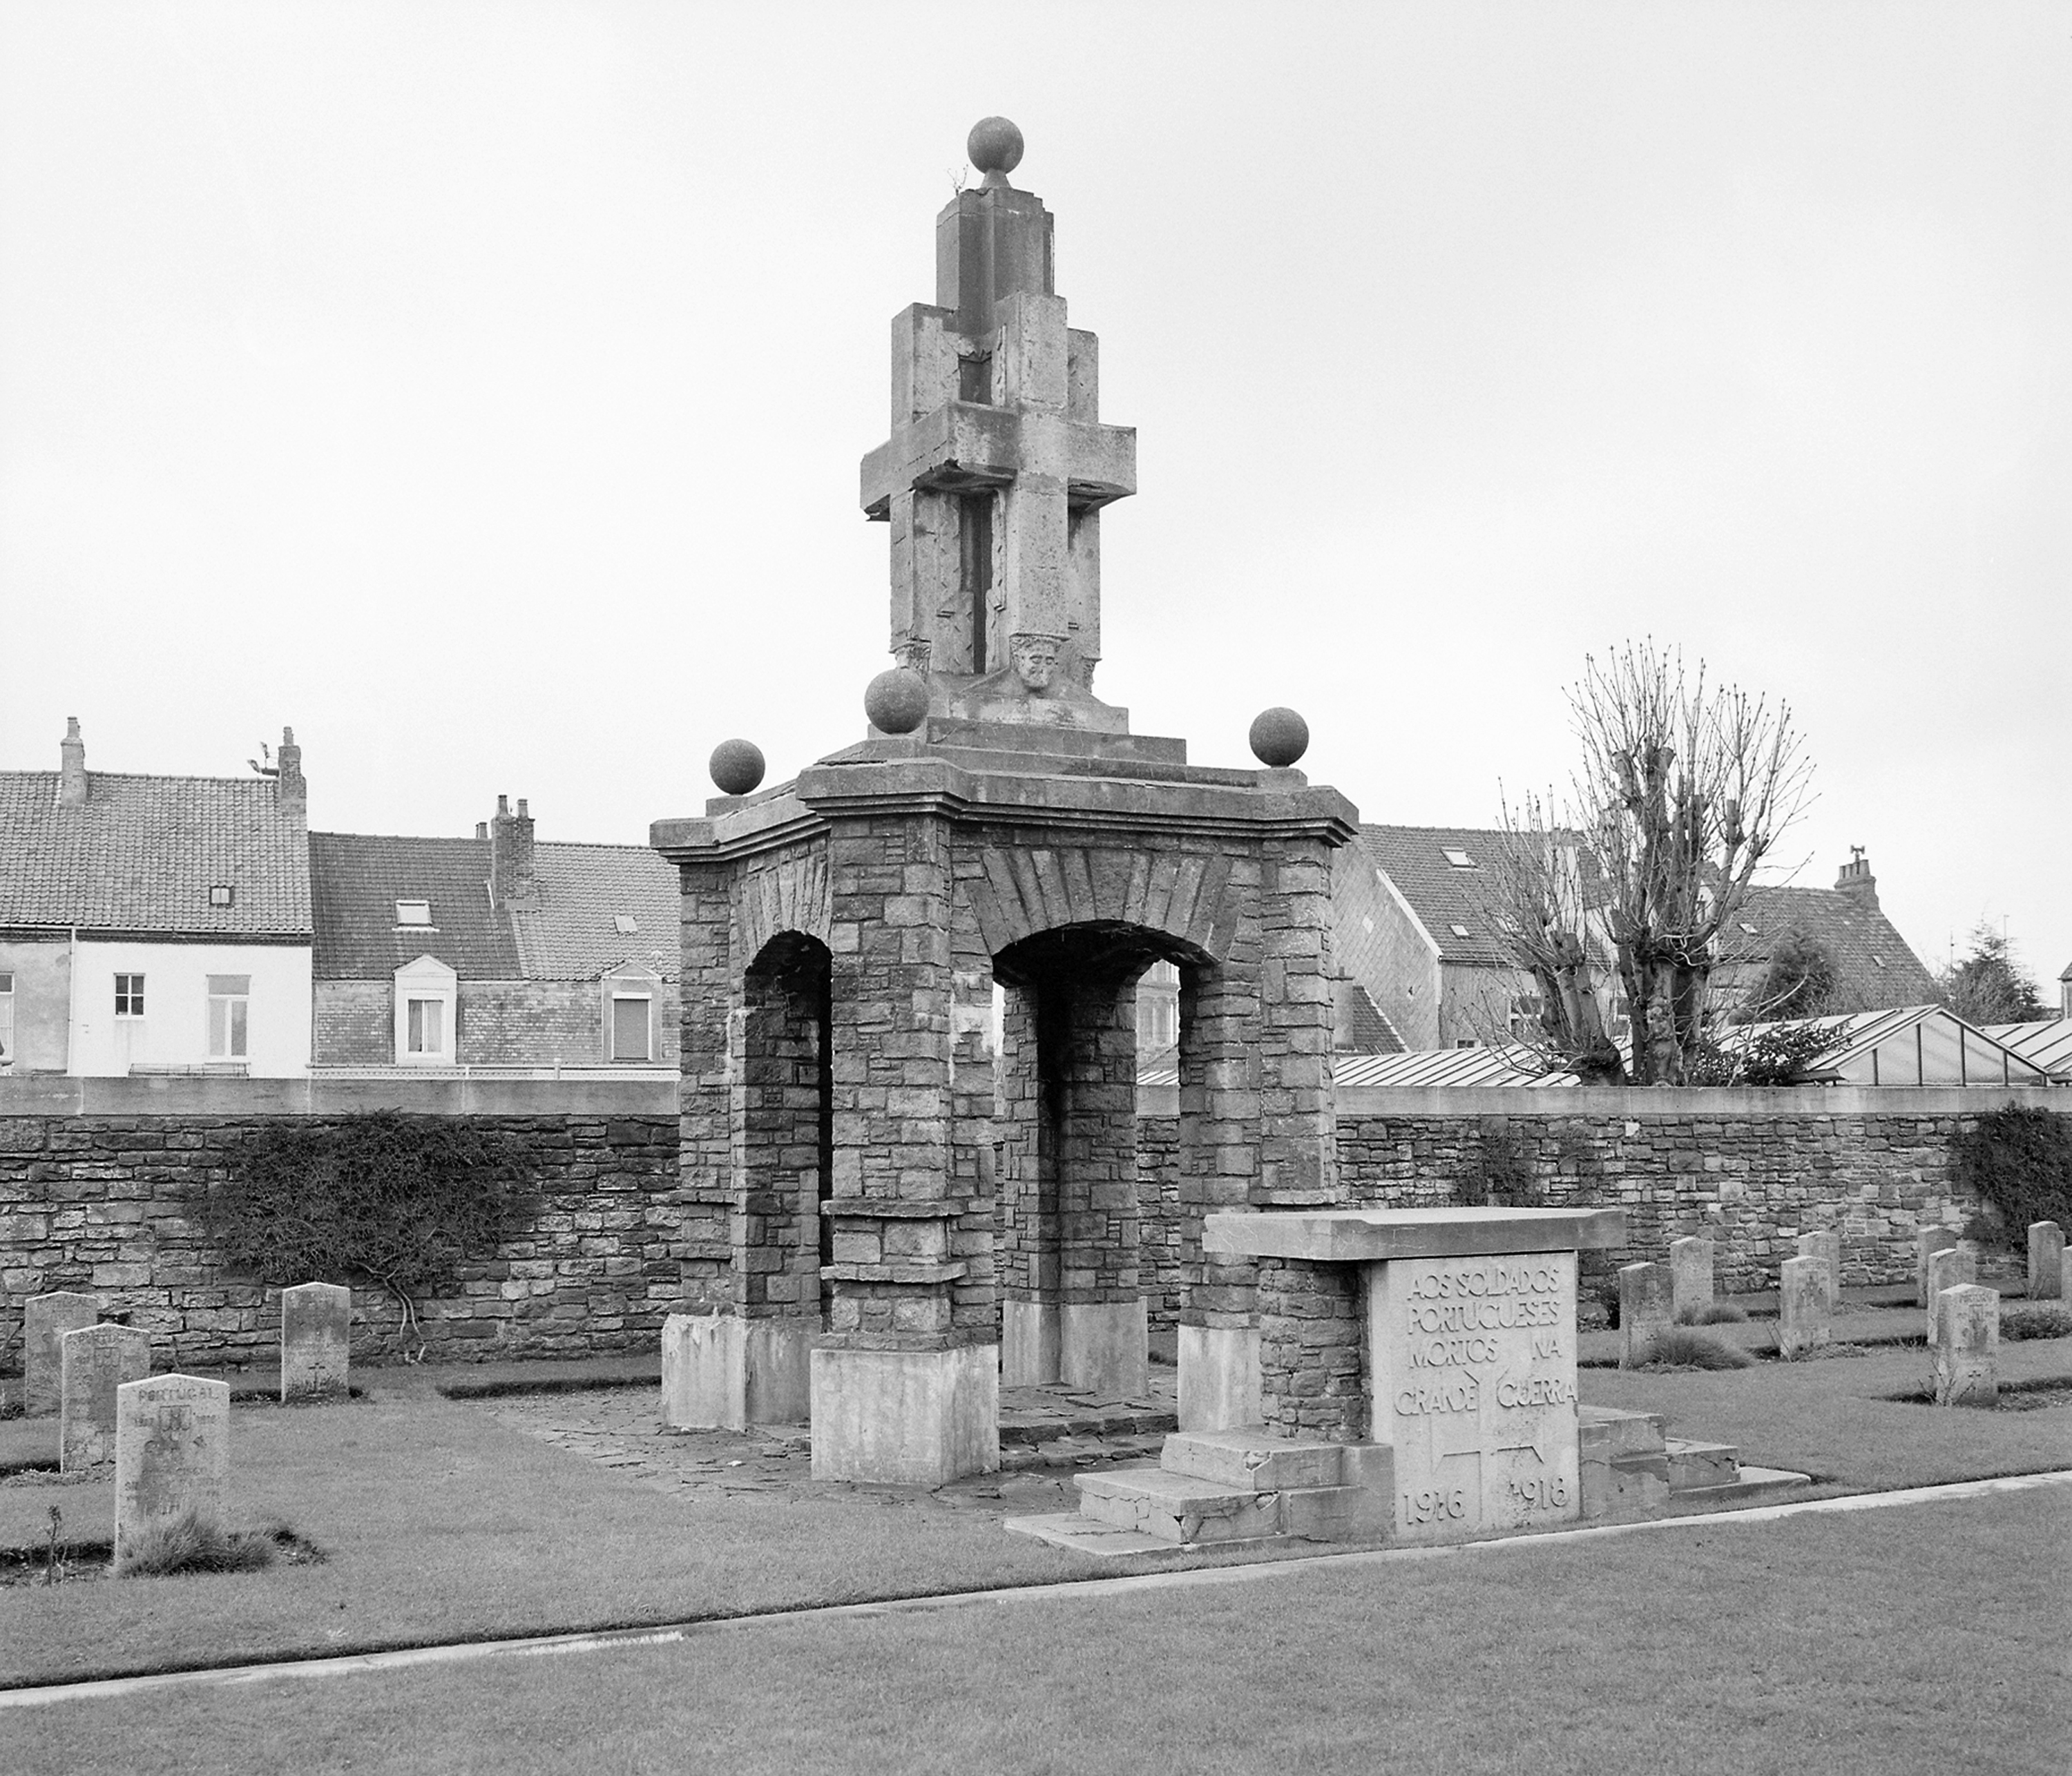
(1680, 1348)
(2037, 1320)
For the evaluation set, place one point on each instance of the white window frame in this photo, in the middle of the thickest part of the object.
(232, 1048)
(424, 981)
(133, 992)
(7, 1018)
(616, 998)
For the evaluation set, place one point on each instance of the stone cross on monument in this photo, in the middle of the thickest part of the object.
(998, 467)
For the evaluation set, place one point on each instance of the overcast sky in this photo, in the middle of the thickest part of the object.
(479, 388)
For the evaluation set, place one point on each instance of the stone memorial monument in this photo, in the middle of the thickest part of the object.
(172, 1452)
(853, 1254)
(1966, 1342)
(316, 1342)
(1690, 1278)
(93, 1363)
(45, 1320)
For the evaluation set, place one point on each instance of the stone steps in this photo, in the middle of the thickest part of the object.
(1631, 1466)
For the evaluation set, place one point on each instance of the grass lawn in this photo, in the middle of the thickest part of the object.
(1918, 1637)
(442, 1523)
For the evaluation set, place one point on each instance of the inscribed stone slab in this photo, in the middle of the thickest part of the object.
(45, 1320)
(1927, 1243)
(1472, 1362)
(1690, 1276)
(2046, 1261)
(1804, 1321)
(1827, 1248)
(172, 1452)
(92, 1363)
(316, 1340)
(1948, 1267)
(1644, 1310)
(1968, 1346)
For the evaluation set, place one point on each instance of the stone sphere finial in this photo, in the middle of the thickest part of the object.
(994, 147)
(1278, 737)
(737, 767)
(897, 701)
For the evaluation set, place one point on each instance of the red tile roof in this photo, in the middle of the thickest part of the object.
(143, 853)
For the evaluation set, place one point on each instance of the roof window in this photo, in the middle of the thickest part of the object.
(1460, 930)
(1460, 860)
(221, 894)
(1749, 929)
(1877, 961)
(414, 912)
(626, 923)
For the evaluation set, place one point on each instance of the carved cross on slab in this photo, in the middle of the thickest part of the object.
(998, 463)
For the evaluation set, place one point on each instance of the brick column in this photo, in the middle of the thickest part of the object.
(901, 1393)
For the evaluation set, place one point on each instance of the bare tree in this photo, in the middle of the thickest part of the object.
(1683, 791)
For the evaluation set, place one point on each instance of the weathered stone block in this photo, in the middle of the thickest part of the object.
(93, 1363)
(1805, 1309)
(1967, 1346)
(1690, 1277)
(172, 1454)
(2046, 1261)
(1949, 1267)
(46, 1319)
(1927, 1243)
(316, 1342)
(1645, 1311)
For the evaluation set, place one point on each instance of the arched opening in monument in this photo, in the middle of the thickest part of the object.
(786, 1127)
(1072, 1306)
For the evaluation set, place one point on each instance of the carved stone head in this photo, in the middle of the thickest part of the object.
(1036, 662)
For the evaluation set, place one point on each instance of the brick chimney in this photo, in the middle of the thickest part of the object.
(512, 882)
(72, 766)
(291, 793)
(1856, 880)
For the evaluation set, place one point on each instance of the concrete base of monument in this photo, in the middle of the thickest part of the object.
(1218, 1377)
(1095, 1347)
(720, 1370)
(1247, 1487)
(905, 1418)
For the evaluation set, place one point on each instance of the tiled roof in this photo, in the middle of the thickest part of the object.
(357, 877)
(572, 935)
(1443, 895)
(584, 889)
(1874, 969)
(1372, 1033)
(143, 853)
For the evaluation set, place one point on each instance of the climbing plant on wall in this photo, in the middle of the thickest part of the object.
(2017, 1161)
(404, 1200)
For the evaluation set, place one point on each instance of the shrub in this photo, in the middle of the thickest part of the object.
(2037, 1320)
(1712, 1313)
(404, 1199)
(1678, 1348)
(1501, 1174)
(2017, 1161)
(191, 1543)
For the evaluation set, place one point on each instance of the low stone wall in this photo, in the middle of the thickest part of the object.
(93, 1202)
(1748, 1170)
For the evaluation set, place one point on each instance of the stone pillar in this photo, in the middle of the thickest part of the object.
(1690, 1278)
(1968, 1346)
(906, 1381)
(93, 1363)
(1927, 1243)
(1827, 1248)
(1644, 1310)
(1948, 1267)
(316, 1342)
(2046, 1261)
(172, 1452)
(1311, 1386)
(1220, 1042)
(45, 1320)
(1803, 1307)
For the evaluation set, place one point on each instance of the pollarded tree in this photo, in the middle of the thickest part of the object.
(1683, 792)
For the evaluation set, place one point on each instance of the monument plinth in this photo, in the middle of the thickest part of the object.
(843, 933)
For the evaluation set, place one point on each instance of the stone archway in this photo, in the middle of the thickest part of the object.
(1072, 1303)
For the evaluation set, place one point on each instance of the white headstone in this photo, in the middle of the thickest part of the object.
(1927, 1243)
(1690, 1277)
(1644, 1310)
(1827, 1248)
(45, 1320)
(1968, 1346)
(1804, 1310)
(1947, 1268)
(316, 1340)
(172, 1452)
(93, 1362)
(2046, 1261)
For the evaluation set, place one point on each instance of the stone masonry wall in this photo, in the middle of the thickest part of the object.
(1310, 1362)
(93, 1203)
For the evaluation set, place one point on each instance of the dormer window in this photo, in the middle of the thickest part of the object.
(1458, 860)
(414, 912)
(222, 894)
